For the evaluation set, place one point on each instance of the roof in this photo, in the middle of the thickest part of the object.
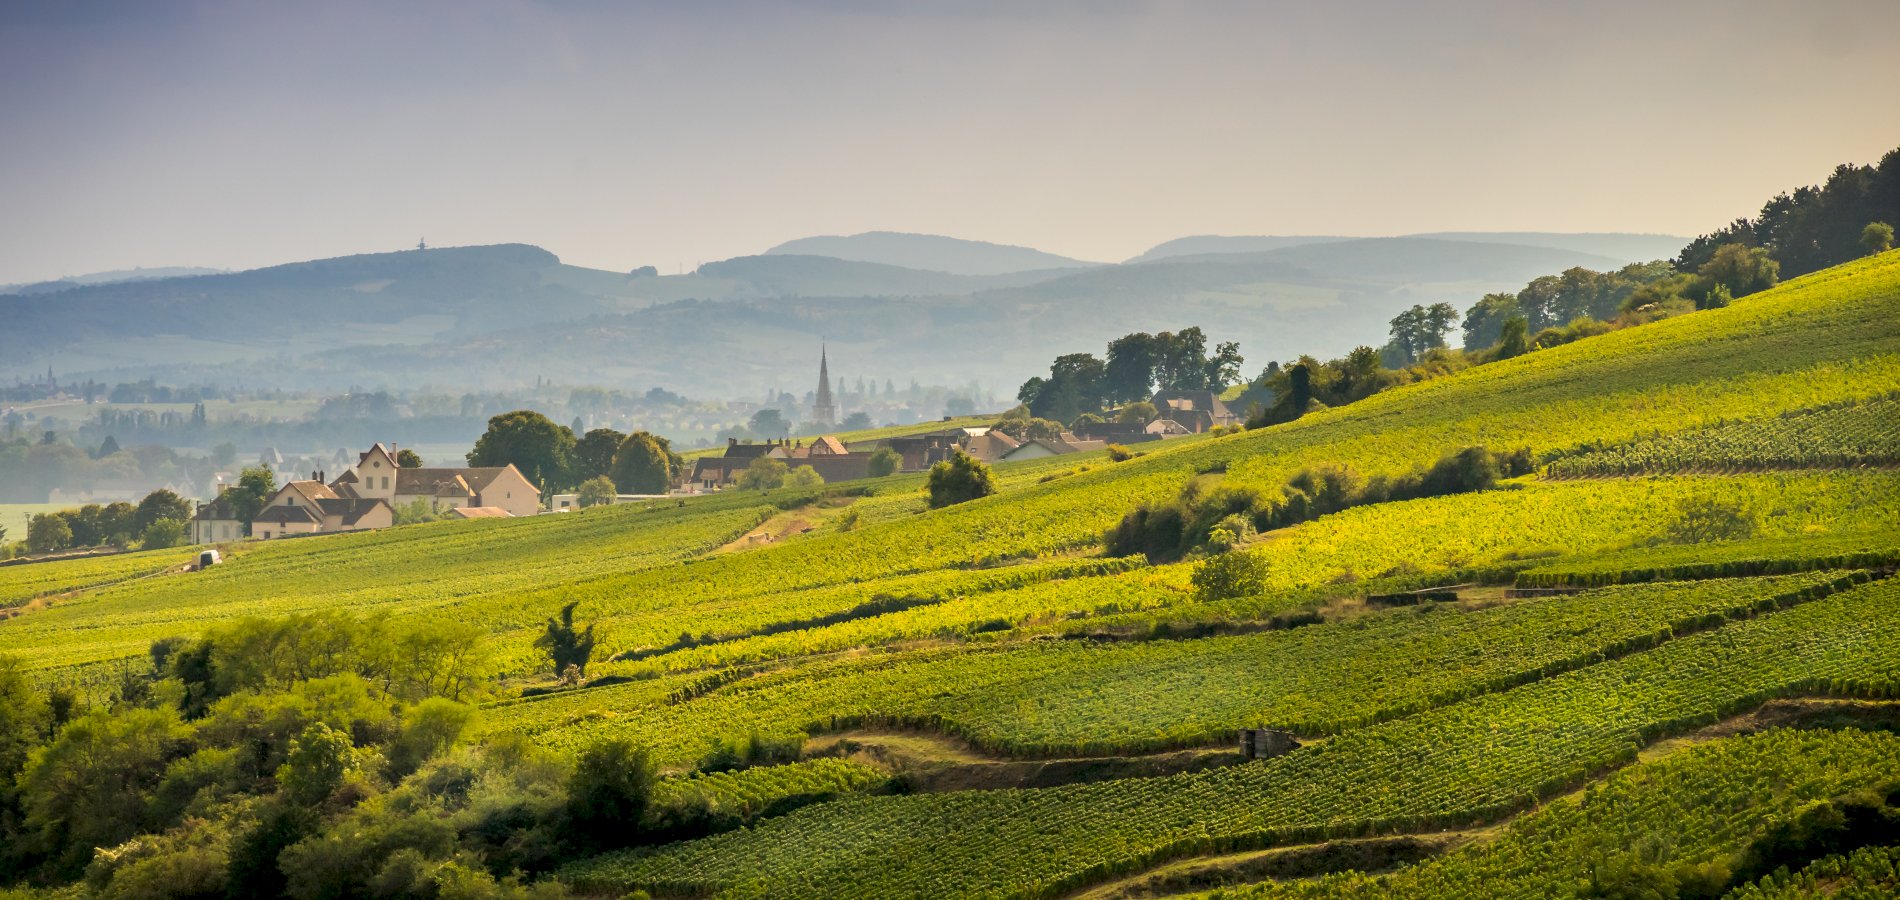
(433, 482)
(748, 451)
(1205, 401)
(480, 512)
(480, 478)
(350, 510)
(288, 515)
(307, 491)
(829, 444)
(215, 511)
(374, 449)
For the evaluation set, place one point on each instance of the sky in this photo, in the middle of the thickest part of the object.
(242, 134)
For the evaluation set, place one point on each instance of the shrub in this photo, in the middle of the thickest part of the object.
(1119, 453)
(884, 462)
(1701, 520)
(162, 534)
(608, 794)
(959, 479)
(596, 491)
(1229, 576)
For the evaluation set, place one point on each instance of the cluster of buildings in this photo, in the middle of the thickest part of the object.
(366, 495)
(369, 492)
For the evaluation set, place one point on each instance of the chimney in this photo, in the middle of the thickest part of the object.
(732, 442)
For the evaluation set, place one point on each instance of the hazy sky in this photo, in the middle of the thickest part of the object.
(248, 133)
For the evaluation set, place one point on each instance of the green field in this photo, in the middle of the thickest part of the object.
(981, 701)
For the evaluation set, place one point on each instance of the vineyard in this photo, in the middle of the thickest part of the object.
(1716, 529)
(1858, 434)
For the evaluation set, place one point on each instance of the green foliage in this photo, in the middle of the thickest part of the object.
(86, 789)
(1513, 338)
(319, 760)
(47, 532)
(568, 648)
(408, 459)
(803, 477)
(162, 534)
(960, 479)
(644, 464)
(529, 441)
(883, 462)
(415, 512)
(1812, 228)
(763, 474)
(160, 505)
(593, 455)
(609, 791)
(1877, 237)
(1740, 269)
(596, 491)
(255, 486)
(1842, 436)
(1230, 575)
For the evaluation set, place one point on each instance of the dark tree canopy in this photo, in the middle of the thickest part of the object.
(1813, 227)
(158, 505)
(255, 486)
(565, 645)
(408, 459)
(884, 462)
(594, 453)
(529, 441)
(643, 464)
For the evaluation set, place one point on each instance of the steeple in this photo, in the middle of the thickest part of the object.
(824, 413)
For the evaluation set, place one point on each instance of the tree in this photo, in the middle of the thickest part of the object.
(24, 721)
(1703, 519)
(594, 453)
(1230, 575)
(643, 464)
(1877, 237)
(255, 486)
(1139, 412)
(160, 504)
(1743, 270)
(1300, 387)
(1130, 372)
(107, 447)
(596, 491)
(88, 788)
(1513, 338)
(529, 441)
(565, 646)
(804, 477)
(161, 534)
(769, 423)
(960, 478)
(408, 459)
(1074, 386)
(608, 794)
(884, 462)
(861, 421)
(47, 532)
(319, 760)
(763, 474)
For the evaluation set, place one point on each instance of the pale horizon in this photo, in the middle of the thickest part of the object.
(235, 136)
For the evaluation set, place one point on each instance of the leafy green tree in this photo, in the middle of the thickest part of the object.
(1513, 338)
(1137, 412)
(408, 459)
(107, 447)
(1074, 386)
(608, 794)
(803, 477)
(1877, 237)
(1129, 374)
(884, 462)
(958, 479)
(24, 722)
(162, 534)
(596, 491)
(88, 788)
(255, 486)
(1743, 270)
(47, 532)
(160, 504)
(319, 760)
(529, 441)
(1703, 519)
(643, 464)
(857, 421)
(763, 474)
(594, 454)
(566, 646)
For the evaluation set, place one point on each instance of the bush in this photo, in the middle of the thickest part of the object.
(608, 794)
(596, 491)
(1230, 576)
(884, 462)
(804, 477)
(1119, 453)
(1701, 520)
(162, 534)
(764, 474)
(959, 479)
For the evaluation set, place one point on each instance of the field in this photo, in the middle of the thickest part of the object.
(1637, 665)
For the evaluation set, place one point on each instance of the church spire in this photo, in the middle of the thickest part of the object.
(824, 413)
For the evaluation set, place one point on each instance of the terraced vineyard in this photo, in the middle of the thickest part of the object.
(962, 653)
(1859, 434)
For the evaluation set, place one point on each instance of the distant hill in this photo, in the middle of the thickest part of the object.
(117, 275)
(929, 252)
(785, 275)
(1616, 248)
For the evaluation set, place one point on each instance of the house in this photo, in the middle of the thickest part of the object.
(376, 476)
(1116, 432)
(1167, 428)
(1197, 411)
(1041, 448)
(921, 451)
(310, 506)
(216, 521)
(826, 455)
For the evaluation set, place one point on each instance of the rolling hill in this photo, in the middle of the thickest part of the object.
(980, 700)
(929, 252)
(1623, 248)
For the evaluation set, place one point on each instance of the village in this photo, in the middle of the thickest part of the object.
(371, 492)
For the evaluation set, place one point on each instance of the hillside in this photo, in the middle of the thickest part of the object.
(930, 252)
(1623, 248)
(982, 700)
